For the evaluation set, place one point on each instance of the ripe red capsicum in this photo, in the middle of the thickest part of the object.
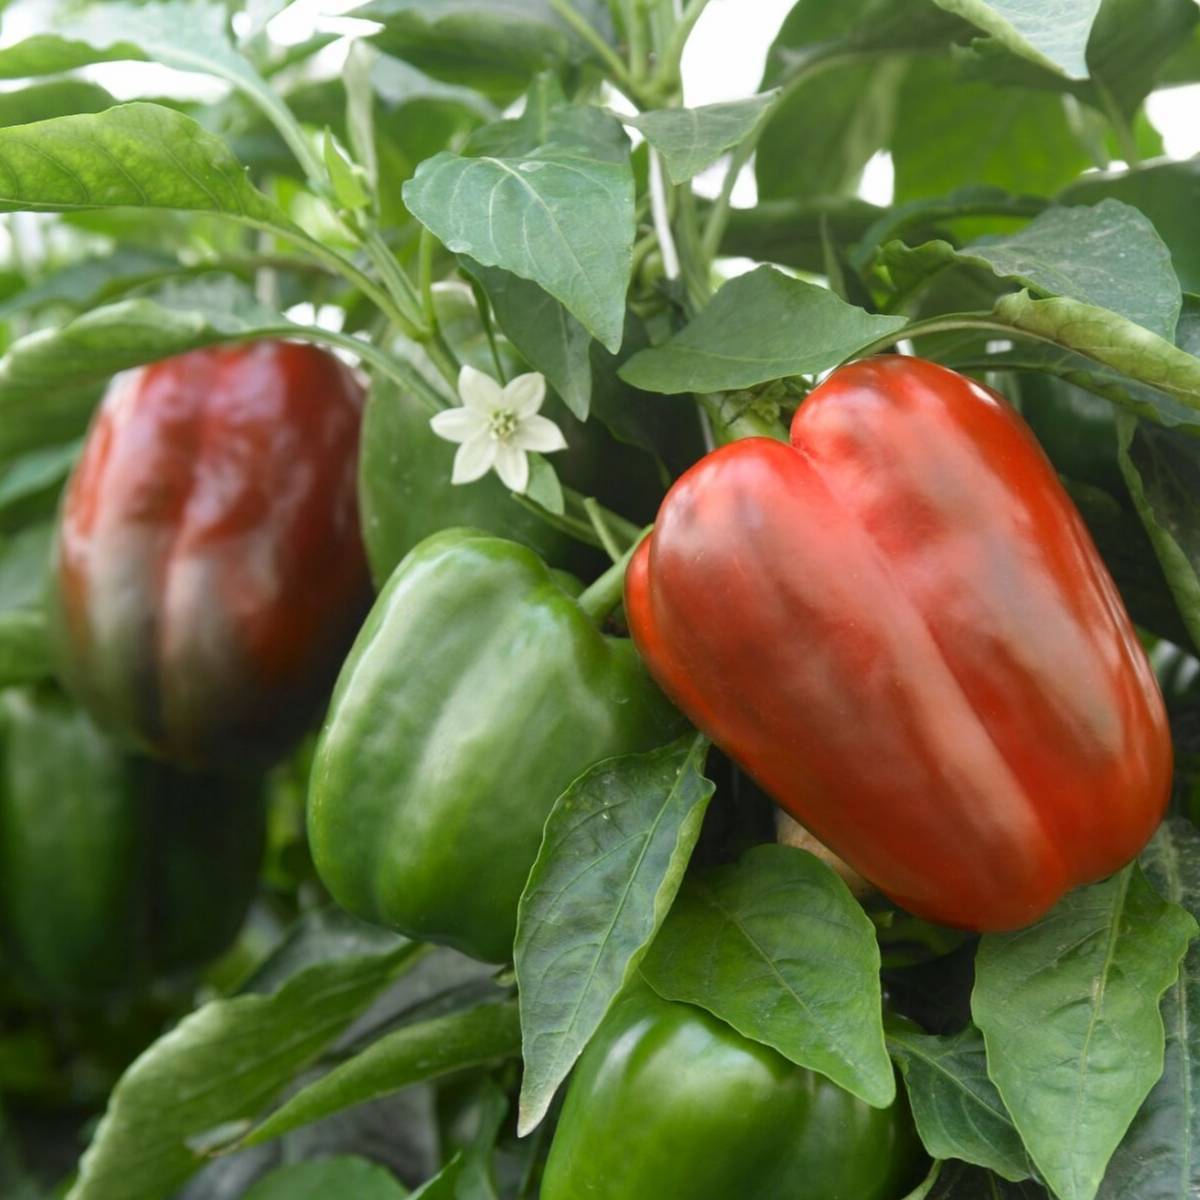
(899, 625)
(210, 571)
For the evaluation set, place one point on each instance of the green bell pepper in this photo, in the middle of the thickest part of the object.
(114, 870)
(669, 1103)
(477, 691)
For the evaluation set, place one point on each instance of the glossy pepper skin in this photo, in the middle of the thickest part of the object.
(210, 573)
(899, 625)
(113, 869)
(476, 692)
(716, 1116)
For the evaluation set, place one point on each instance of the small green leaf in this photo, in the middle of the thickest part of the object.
(1157, 1159)
(475, 1037)
(690, 139)
(778, 947)
(343, 176)
(759, 327)
(548, 337)
(323, 1178)
(1162, 471)
(60, 98)
(612, 857)
(957, 1110)
(954, 1180)
(36, 472)
(1069, 1012)
(560, 214)
(1051, 33)
(544, 487)
(223, 1064)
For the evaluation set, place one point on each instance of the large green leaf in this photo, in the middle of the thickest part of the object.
(474, 1037)
(612, 857)
(1107, 255)
(135, 155)
(223, 1064)
(1051, 33)
(560, 214)
(761, 326)
(44, 101)
(1069, 1012)
(958, 1112)
(323, 1178)
(778, 947)
(1157, 1159)
(1168, 193)
(1015, 138)
(493, 46)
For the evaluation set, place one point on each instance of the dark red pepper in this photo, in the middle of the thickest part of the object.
(210, 572)
(899, 625)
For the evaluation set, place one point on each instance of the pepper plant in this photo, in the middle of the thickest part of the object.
(520, 927)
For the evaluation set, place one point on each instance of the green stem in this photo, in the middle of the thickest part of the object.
(981, 321)
(596, 516)
(637, 45)
(398, 284)
(425, 277)
(718, 217)
(396, 369)
(581, 531)
(667, 77)
(731, 423)
(576, 502)
(583, 27)
(601, 597)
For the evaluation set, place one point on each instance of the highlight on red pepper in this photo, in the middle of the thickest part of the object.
(899, 625)
(209, 572)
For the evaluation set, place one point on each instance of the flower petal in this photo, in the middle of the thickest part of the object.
(479, 392)
(458, 424)
(512, 466)
(525, 394)
(538, 433)
(474, 459)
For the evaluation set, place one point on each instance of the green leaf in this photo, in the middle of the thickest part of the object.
(560, 214)
(1051, 33)
(493, 46)
(135, 155)
(468, 1175)
(1162, 471)
(1069, 1012)
(544, 487)
(474, 1037)
(24, 647)
(323, 1178)
(960, 1181)
(25, 565)
(690, 139)
(778, 947)
(1168, 193)
(1157, 1159)
(44, 101)
(1014, 138)
(223, 1064)
(1108, 255)
(957, 1110)
(548, 337)
(85, 283)
(613, 853)
(759, 327)
(188, 35)
(36, 472)
(347, 187)
(444, 1185)
(1110, 339)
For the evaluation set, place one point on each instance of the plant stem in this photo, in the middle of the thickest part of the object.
(667, 77)
(596, 516)
(601, 597)
(662, 218)
(425, 277)
(731, 426)
(583, 27)
(1120, 125)
(718, 217)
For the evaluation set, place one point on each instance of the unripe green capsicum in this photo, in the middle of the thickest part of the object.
(114, 869)
(716, 1116)
(477, 691)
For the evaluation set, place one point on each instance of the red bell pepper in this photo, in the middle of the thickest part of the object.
(898, 624)
(210, 569)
